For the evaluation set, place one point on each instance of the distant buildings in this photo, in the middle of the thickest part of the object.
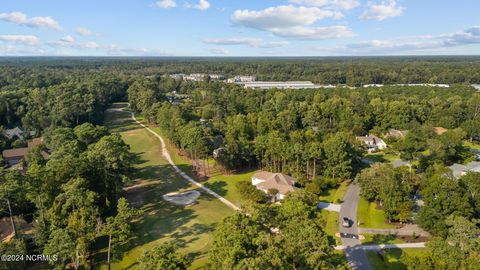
(279, 182)
(425, 84)
(283, 85)
(373, 142)
(459, 170)
(195, 77)
(242, 79)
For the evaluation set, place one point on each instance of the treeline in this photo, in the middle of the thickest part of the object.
(307, 133)
(72, 198)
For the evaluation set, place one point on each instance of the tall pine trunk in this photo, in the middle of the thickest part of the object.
(109, 250)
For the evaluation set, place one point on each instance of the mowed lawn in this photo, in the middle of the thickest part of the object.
(224, 185)
(190, 227)
(390, 259)
(370, 217)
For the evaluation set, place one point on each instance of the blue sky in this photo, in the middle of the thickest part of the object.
(239, 27)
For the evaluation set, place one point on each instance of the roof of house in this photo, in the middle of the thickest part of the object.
(370, 138)
(15, 153)
(35, 142)
(439, 130)
(279, 181)
(10, 133)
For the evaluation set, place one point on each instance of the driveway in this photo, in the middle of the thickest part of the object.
(356, 256)
(329, 206)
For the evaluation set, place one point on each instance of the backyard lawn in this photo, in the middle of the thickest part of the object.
(370, 217)
(382, 157)
(390, 259)
(190, 227)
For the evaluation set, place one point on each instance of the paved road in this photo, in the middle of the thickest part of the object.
(386, 246)
(356, 257)
(166, 154)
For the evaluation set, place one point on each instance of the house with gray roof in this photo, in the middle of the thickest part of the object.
(459, 170)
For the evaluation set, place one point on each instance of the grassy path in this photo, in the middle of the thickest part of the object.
(190, 227)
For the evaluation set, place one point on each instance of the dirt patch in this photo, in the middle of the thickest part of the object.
(6, 230)
(183, 198)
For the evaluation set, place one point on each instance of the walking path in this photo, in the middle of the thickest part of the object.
(356, 257)
(406, 230)
(167, 156)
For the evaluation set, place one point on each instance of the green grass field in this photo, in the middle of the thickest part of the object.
(335, 195)
(390, 259)
(370, 217)
(382, 157)
(371, 239)
(190, 227)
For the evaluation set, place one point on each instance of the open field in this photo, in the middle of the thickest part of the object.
(224, 185)
(391, 258)
(370, 217)
(190, 227)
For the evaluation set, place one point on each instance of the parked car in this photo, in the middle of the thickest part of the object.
(346, 222)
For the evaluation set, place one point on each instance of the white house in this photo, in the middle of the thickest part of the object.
(373, 142)
(266, 181)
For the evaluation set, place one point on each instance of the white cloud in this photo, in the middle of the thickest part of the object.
(382, 11)
(166, 4)
(89, 45)
(292, 22)
(426, 44)
(247, 41)
(218, 50)
(20, 39)
(66, 41)
(202, 5)
(336, 4)
(20, 18)
(82, 31)
(314, 33)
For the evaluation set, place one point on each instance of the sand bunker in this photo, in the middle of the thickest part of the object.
(183, 198)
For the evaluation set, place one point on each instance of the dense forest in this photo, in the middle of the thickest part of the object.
(73, 197)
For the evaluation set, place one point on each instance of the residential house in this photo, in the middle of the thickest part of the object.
(373, 142)
(282, 183)
(14, 132)
(14, 156)
(459, 170)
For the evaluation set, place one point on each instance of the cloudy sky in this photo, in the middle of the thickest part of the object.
(239, 27)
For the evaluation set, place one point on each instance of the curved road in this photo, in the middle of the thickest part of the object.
(356, 256)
